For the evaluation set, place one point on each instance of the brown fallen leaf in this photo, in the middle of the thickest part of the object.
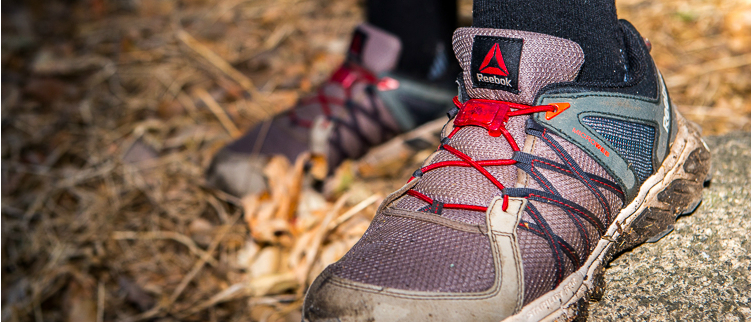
(247, 254)
(310, 210)
(266, 262)
(287, 200)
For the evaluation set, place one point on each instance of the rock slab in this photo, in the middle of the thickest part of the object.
(700, 271)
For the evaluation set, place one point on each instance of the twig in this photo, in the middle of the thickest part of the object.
(276, 37)
(353, 211)
(228, 198)
(186, 102)
(233, 292)
(312, 252)
(199, 265)
(726, 63)
(221, 64)
(38, 202)
(710, 66)
(214, 202)
(38, 312)
(158, 162)
(220, 114)
(265, 126)
(192, 274)
(100, 302)
(180, 238)
(85, 175)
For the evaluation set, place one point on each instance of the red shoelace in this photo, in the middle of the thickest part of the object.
(493, 116)
(346, 76)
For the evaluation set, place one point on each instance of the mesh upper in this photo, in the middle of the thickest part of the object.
(538, 265)
(537, 257)
(628, 139)
(396, 252)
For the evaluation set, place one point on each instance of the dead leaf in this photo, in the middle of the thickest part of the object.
(266, 262)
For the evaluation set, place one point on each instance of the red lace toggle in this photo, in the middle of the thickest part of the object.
(348, 75)
(344, 76)
(491, 115)
(483, 113)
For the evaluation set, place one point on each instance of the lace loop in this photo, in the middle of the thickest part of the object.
(493, 116)
(346, 77)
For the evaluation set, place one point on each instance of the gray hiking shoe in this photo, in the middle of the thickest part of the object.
(364, 104)
(538, 182)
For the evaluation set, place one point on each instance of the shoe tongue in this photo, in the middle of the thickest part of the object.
(374, 49)
(512, 65)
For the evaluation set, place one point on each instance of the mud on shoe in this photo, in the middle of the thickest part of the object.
(538, 181)
(365, 102)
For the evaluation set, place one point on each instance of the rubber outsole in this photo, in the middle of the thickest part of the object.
(674, 190)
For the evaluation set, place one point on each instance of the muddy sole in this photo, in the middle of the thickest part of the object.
(674, 190)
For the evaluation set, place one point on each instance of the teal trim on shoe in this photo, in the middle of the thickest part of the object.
(657, 113)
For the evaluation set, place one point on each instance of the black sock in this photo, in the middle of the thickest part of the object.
(593, 24)
(425, 28)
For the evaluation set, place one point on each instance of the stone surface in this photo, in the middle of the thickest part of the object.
(700, 271)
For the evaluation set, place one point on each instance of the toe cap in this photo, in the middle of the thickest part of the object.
(331, 298)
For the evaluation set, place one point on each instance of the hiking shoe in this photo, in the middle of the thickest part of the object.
(537, 182)
(364, 104)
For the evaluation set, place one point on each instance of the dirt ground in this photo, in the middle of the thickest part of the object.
(112, 109)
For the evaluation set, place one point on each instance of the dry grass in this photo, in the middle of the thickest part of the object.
(111, 110)
(703, 48)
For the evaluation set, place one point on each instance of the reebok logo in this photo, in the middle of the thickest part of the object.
(493, 79)
(494, 55)
(495, 63)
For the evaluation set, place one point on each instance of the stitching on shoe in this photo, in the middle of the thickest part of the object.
(431, 218)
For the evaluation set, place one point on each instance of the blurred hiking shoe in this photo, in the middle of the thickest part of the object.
(365, 103)
(539, 180)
